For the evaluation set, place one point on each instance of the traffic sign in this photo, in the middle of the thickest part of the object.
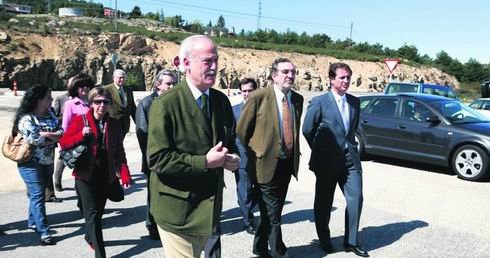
(391, 63)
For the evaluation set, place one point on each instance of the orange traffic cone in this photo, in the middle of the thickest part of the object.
(15, 88)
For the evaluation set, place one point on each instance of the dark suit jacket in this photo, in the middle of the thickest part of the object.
(237, 110)
(118, 112)
(142, 113)
(185, 196)
(258, 130)
(325, 133)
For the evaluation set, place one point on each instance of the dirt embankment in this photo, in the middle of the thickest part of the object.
(32, 58)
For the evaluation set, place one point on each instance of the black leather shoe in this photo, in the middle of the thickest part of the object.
(250, 229)
(54, 199)
(262, 254)
(356, 249)
(327, 248)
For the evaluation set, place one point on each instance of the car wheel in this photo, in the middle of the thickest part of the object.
(360, 146)
(470, 162)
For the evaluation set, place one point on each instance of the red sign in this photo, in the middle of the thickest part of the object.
(107, 12)
(176, 61)
(391, 63)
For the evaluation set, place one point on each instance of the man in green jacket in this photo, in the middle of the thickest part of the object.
(123, 106)
(191, 139)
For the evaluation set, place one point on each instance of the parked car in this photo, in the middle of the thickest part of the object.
(434, 89)
(427, 129)
(482, 105)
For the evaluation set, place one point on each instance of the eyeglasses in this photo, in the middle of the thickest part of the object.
(287, 71)
(99, 102)
(247, 90)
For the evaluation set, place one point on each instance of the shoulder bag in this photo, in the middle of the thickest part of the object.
(70, 156)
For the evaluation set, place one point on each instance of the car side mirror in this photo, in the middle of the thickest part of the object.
(433, 119)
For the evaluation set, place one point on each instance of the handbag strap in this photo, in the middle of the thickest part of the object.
(85, 122)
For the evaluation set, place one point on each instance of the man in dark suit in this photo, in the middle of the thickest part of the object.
(123, 106)
(329, 128)
(191, 139)
(247, 193)
(164, 80)
(269, 129)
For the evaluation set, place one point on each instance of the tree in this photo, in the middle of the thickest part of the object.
(136, 12)
(175, 21)
(221, 22)
(473, 71)
(210, 24)
(409, 52)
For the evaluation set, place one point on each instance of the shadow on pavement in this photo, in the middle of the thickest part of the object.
(140, 246)
(372, 238)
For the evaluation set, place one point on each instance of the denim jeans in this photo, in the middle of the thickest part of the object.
(35, 176)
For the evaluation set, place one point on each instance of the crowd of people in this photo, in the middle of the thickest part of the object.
(190, 135)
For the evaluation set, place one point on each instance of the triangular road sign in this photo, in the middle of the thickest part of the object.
(391, 63)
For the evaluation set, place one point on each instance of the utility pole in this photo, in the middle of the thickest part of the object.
(115, 20)
(350, 36)
(260, 15)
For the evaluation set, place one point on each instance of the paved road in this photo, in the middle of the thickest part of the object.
(410, 210)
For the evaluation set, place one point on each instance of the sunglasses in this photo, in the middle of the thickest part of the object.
(99, 102)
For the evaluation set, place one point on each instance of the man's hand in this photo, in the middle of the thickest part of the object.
(215, 157)
(232, 162)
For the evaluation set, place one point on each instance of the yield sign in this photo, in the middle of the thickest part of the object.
(391, 63)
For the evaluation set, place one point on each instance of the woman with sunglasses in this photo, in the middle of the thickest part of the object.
(100, 166)
(81, 84)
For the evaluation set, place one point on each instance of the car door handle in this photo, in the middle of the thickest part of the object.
(402, 126)
(364, 121)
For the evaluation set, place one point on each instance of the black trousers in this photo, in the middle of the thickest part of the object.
(151, 225)
(93, 195)
(350, 182)
(272, 196)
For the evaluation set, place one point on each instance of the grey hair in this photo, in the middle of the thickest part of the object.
(119, 72)
(186, 47)
(159, 77)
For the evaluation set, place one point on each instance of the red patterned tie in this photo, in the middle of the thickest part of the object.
(287, 127)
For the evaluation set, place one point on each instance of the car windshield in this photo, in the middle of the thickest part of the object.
(458, 113)
(401, 87)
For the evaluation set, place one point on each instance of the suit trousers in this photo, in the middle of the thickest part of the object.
(247, 196)
(212, 248)
(350, 182)
(58, 172)
(150, 221)
(181, 246)
(272, 196)
(93, 195)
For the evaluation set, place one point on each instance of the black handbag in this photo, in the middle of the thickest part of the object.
(70, 156)
(115, 191)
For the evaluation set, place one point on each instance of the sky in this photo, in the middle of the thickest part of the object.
(460, 28)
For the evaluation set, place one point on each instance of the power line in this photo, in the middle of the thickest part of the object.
(277, 19)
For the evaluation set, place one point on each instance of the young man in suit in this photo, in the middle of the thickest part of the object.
(164, 80)
(269, 128)
(191, 140)
(123, 106)
(329, 128)
(247, 193)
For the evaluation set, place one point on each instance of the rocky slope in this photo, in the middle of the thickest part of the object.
(32, 58)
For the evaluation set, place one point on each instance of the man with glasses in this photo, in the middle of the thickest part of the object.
(123, 106)
(329, 128)
(268, 128)
(191, 140)
(164, 80)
